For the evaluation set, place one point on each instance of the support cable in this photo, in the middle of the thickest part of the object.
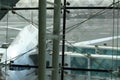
(91, 17)
(73, 26)
(30, 21)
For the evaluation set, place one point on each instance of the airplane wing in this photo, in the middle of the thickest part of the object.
(19, 51)
(26, 40)
(95, 41)
(10, 27)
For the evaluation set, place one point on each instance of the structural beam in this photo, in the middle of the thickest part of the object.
(51, 8)
(42, 40)
(89, 67)
(93, 70)
(56, 32)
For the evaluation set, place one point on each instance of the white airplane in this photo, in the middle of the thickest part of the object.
(25, 44)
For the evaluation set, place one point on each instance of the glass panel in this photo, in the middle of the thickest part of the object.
(92, 26)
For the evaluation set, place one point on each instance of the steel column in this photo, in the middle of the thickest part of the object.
(56, 40)
(42, 39)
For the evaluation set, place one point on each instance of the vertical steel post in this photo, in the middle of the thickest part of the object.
(63, 39)
(56, 40)
(89, 73)
(42, 39)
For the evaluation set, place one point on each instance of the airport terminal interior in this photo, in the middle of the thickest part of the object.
(59, 40)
